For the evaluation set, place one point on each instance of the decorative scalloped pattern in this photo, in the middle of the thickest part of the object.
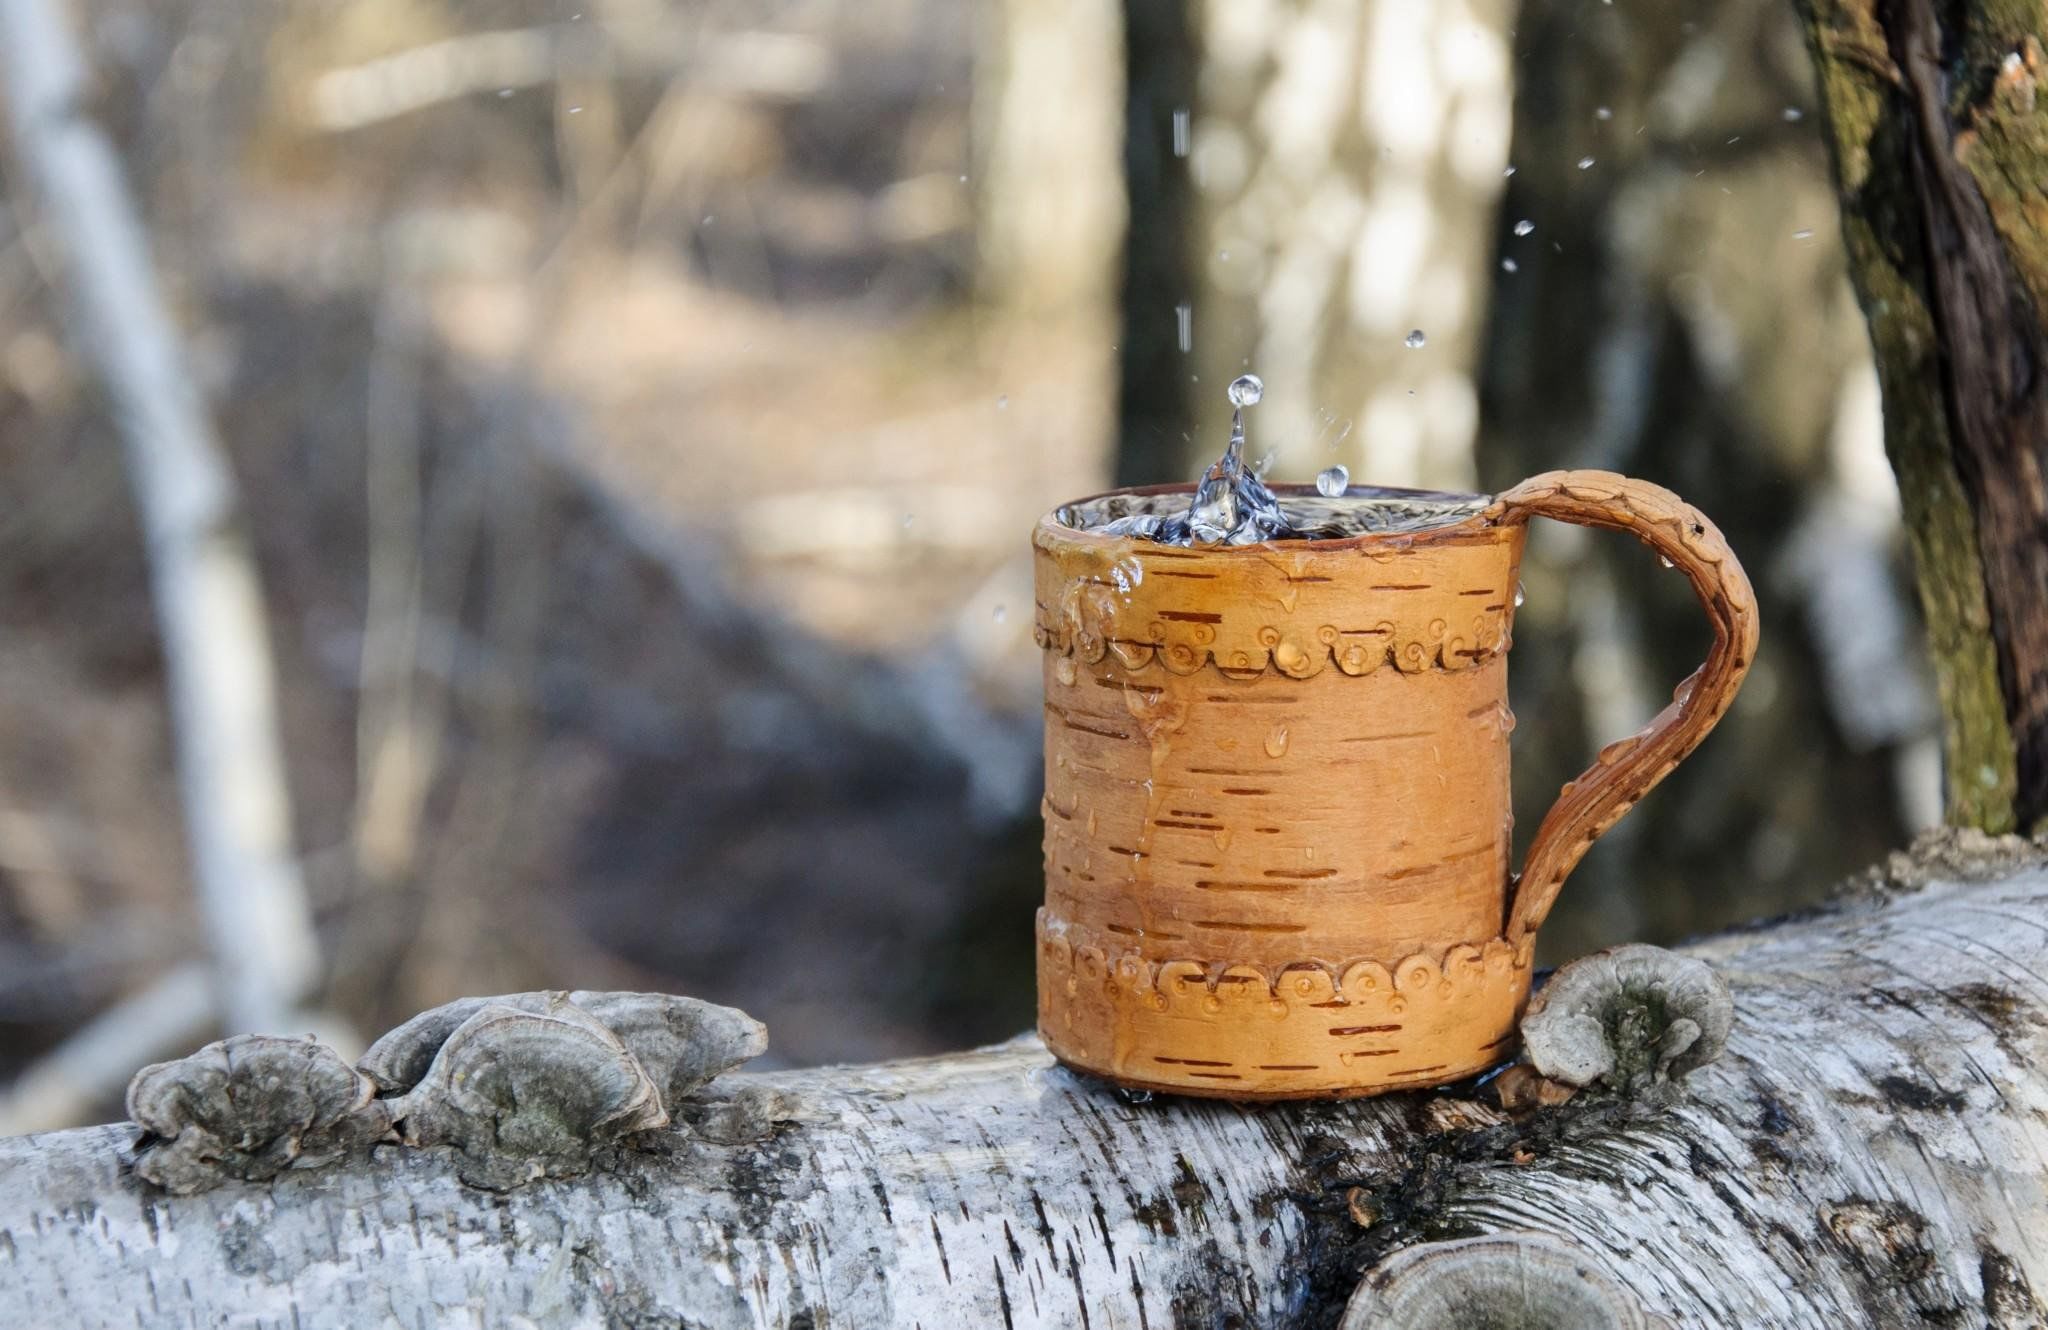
(1184, 650)
(1446, 605)
(1309, 1027)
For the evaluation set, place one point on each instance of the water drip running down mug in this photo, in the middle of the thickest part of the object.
(1276, 804)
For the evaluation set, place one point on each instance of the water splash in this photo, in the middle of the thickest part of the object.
(1232, 505)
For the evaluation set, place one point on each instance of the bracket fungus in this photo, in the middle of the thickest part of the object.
(248, 1108)
(531, 1084)
(1628, 1016)
(523, 1086)
(680, 1042)
(1529, 1280)
(523, 1094)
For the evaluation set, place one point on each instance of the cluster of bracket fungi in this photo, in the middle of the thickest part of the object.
(520, 1087)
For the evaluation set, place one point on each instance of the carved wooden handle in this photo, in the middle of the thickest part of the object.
(1626, 770)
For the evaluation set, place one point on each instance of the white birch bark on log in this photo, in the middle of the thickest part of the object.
(1872, 1149)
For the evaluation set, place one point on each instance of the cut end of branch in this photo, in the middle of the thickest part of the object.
(1528, 1280)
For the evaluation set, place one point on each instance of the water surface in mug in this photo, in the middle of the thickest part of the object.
(1233, 506)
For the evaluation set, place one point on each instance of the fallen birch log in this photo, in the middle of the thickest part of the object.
(1870, 1149)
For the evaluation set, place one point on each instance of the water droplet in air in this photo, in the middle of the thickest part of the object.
(1180, 132)
(504, 92)
(1262, 466)
(575, 110)
(1585, 163)
(1003, 402)
(1793, 114)
(1520, 595)
(1246, 390)
(908, 518)
(1134, 1096)
(1806, 234)
(1000, 613)
(1415, 340)
(1509, 265)
(1331, 482)
(1666, 561)
(1276, 742)
(1505, 174)
(1524, 227)
(1603, 113)
(1184, 325)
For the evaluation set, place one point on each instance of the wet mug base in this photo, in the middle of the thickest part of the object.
(1309, 1031)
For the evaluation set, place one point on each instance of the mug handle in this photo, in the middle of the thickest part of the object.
(1626, 770)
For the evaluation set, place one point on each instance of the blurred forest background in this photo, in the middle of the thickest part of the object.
(641, 408)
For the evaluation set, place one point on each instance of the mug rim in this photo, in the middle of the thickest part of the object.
(1050, 521)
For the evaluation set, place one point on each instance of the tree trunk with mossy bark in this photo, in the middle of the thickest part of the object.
(1938, 123)
(1866, 1151)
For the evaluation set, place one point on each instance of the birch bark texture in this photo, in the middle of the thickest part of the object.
(1868, 1151)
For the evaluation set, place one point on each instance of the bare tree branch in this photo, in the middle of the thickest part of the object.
(89, 1068)
(208, 602)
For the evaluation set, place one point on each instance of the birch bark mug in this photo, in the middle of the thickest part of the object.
(1276, 788)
